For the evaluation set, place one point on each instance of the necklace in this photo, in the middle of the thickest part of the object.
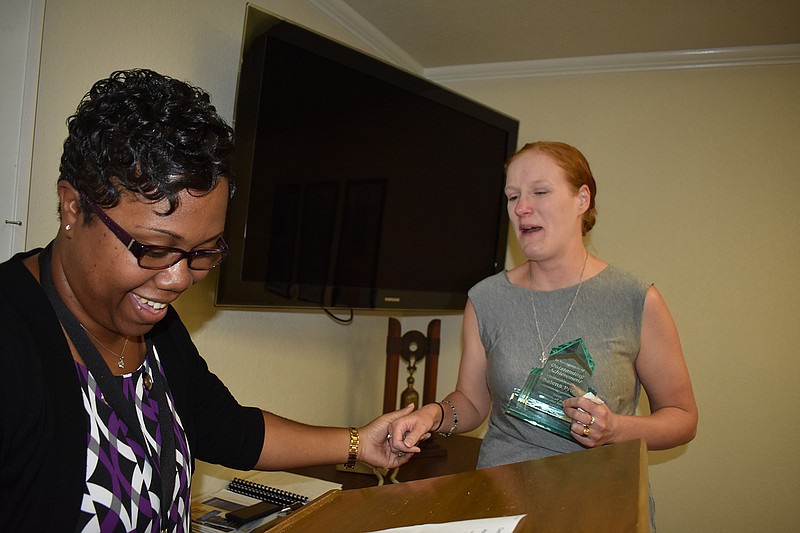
(120, 356)
(543, 358)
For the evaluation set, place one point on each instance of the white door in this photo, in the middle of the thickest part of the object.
(20, 46)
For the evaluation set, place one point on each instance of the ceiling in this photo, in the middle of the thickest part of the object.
(443, 33)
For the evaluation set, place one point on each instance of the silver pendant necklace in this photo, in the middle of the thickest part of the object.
(120, 356)
(544, 356)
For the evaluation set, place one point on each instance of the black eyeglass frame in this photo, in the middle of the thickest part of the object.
(139, 250)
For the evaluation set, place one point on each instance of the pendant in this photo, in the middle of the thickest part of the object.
(543, 359)
(121, 363)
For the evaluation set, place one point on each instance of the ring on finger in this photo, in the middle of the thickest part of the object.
(400, 454)
(591, 421)
(586, 431)
(389, 436)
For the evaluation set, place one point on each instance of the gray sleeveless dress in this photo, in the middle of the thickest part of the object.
(607, 315)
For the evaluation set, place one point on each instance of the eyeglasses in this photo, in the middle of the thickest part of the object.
(161, 257)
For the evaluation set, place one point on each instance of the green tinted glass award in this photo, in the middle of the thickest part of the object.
(539, 401)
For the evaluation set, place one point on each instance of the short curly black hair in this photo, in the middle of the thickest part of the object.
(150, 134)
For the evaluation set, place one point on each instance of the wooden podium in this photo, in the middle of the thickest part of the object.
(597, 490)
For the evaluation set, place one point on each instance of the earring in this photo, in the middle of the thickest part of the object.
(67, 227)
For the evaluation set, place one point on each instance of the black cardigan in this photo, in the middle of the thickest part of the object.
(43, 424)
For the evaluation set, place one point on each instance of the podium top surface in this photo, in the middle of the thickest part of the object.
(600, 489)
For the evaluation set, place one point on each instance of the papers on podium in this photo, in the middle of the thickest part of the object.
(208, 511)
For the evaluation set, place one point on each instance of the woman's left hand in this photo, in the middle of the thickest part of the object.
(592, 423)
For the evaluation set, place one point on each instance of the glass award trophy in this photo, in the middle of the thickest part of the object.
(566, 372)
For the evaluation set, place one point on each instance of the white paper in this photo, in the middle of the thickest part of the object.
(501, 524)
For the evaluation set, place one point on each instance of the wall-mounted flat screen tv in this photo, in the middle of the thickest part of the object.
(360, 185)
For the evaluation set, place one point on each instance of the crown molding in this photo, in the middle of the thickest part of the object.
(386, 49)
(380, 45)
(683, 59)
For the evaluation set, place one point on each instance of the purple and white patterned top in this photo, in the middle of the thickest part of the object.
(119, 494)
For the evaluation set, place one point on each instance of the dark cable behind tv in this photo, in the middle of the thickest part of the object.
(360, 185)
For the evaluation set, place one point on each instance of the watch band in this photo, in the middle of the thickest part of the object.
(353, 450)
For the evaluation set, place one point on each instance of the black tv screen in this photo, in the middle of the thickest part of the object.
(359, 185)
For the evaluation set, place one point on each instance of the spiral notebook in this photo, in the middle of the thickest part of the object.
(286, 489)
(266, 493)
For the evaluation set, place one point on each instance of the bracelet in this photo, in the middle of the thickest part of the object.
(352, 455)
(441, 420)
(455, 418)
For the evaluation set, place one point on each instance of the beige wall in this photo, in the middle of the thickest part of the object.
(698, 177)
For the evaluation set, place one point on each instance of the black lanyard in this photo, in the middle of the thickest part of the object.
(112, 392)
